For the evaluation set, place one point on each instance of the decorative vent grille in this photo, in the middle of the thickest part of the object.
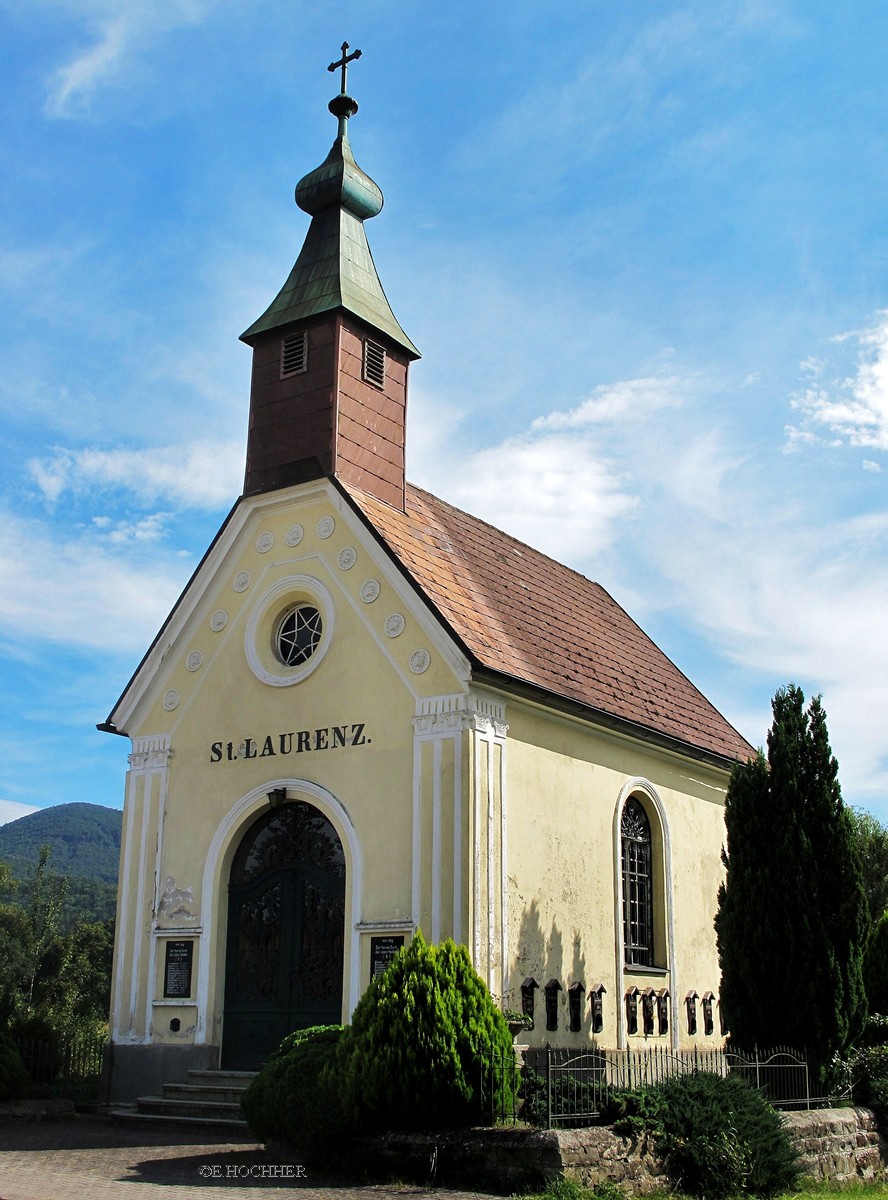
(294, 353)
(374, 363)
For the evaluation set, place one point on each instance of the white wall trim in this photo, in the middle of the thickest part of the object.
(437, 848)
(231, 829)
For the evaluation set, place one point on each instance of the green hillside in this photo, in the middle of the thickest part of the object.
(85, 840)
(85, 844)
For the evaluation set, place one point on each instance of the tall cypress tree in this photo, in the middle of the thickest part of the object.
(791, 921)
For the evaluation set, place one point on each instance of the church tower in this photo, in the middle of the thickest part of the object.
(330, 361)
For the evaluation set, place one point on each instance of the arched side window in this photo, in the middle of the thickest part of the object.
(638, 892)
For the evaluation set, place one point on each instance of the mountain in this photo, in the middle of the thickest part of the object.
(85, 844)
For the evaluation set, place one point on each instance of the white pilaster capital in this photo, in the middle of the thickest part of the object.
(442, 716)
(151, 753)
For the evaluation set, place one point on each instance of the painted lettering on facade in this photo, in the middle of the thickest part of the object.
(299, 741)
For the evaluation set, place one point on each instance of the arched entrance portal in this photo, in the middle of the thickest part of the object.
(286, 925)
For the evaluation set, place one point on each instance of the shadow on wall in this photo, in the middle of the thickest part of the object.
(561, 996)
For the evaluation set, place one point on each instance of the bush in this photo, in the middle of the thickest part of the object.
(718, 1136)
(868, 1068)
(413, 1055)
(286, 1101)
(13, 1076)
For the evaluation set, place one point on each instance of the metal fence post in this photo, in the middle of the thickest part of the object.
(548, 1087)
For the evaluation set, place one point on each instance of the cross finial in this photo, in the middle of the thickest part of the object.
(343, 63)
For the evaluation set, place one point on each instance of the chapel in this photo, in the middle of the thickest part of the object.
(370, 713)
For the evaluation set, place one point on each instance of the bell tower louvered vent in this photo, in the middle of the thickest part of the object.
(294, 353)
(374, 363)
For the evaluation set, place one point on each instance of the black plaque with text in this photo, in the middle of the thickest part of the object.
(382, 951)
(177, 970)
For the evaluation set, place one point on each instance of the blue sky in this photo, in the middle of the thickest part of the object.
(642, 247)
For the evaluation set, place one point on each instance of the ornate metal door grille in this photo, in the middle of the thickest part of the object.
(286, 925)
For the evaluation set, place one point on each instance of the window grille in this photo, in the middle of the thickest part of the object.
(298, 635)
(294, 353)
(638, 906)
(374, 363)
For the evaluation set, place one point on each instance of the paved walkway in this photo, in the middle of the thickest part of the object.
(87, 1158)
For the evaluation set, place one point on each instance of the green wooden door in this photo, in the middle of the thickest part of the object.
(286, 925)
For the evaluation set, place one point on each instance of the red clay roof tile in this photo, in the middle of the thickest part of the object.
(522, 614)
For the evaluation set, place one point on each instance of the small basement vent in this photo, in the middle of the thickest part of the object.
(294, 353)
(374, 363)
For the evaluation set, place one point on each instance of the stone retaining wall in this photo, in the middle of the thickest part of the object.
(841, 1144)
(837, 1143)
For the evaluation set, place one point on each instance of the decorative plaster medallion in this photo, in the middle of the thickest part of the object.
(347, 558)
(369, 590)
(394, 625)
(326, 525)
(264, 542)
(171, 699)
(419, 661)
(218, 620)
(295, 535)
(193, 661)
(242, 581)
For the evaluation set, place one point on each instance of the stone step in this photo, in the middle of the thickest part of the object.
(214, 1109)
(232, 1079)
(198, 1093)
(131, 1116)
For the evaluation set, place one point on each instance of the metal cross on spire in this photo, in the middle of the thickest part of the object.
(343, 63)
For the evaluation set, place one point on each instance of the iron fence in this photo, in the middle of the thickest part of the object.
(70, 1068)
(567, 1088)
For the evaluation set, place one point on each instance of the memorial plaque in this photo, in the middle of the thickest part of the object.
(177, 970)
(382, 951)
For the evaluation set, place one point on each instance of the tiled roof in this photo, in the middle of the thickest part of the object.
(523, 615)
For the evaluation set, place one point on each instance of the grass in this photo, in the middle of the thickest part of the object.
(569, 1189)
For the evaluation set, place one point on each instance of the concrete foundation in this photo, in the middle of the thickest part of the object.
(133, 1071)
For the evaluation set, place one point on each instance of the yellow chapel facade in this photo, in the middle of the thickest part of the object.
(371, 713)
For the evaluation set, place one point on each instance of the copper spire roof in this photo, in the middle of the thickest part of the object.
(520, 614)
(335, 269)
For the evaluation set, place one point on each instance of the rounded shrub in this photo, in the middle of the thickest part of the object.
(414, 1056)
(286, 1101)
(719, 1136)
(14, 1078)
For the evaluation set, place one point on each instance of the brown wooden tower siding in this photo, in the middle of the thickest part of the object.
(327, 419)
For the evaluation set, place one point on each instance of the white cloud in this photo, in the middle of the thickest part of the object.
(202, 475)
(11, 810)
(120, 31)
(552, 486)
(79, 592)
(630, 399)
(853, 410)
(716, 546)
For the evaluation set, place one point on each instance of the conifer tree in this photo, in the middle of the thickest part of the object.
(792, 914)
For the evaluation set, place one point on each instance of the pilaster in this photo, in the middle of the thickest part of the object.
(459, 826)
(147, 782)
